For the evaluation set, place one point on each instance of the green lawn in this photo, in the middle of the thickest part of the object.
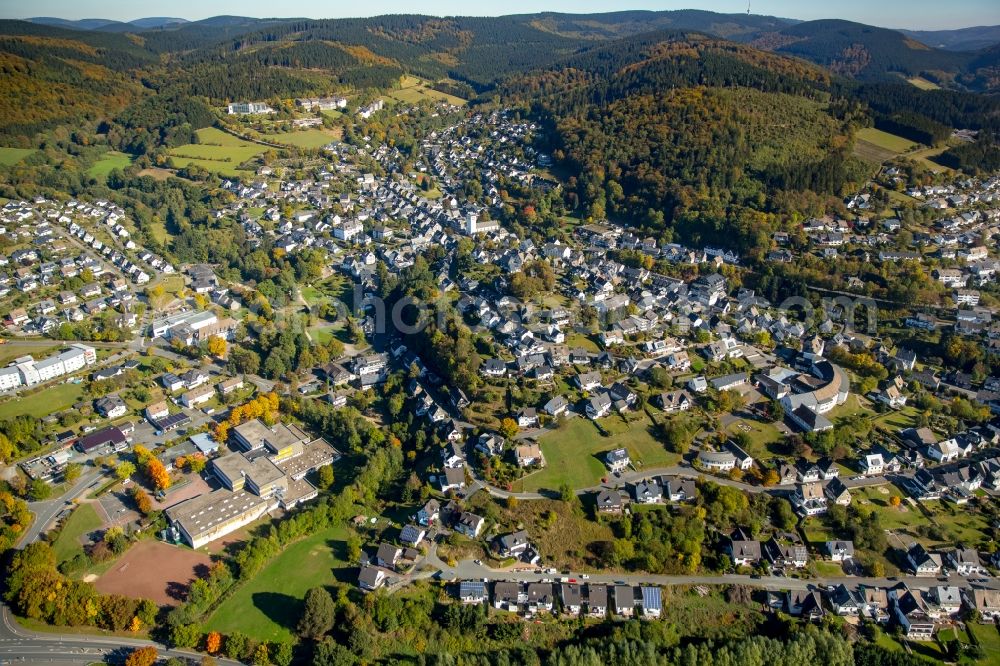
(310, 138)
(268, 607)
(989, 640)
(216, 151)
(573, 453)
(902, 518)
(111, 160)
(574, 340)
(887, 641)
(815, 532)
(83, 520)
(9, 156)
(763, 437)
(43, 403)
(14, 349)
(898, 420)
(852, 407)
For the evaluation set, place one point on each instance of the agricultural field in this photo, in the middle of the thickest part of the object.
(922, 83)
(874, 145)
(573, 451)
(110, 161)
(42, 403)
(413, 90)
(309, 138)
(216, 151)
(269, 606)
(9, 156)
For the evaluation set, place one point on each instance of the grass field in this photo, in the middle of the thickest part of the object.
(923, 83)
(899, 419)
(310, 138)
(414, 90)
(216, 151)
(573, 452)
(574, 340)
(764, 437)
(13, 349)
(43, 403)
(873, 145)
(268, 607)
(989, 640)
(82, 521)
(111, 160)
(923, 157)
(158, 230)
(9, 156)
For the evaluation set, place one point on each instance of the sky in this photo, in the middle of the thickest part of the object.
(911, 14)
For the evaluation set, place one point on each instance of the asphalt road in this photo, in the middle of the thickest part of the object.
(469, 570)
(21, 646)
(46, 511)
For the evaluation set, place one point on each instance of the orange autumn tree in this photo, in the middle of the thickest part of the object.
(157, 474)
(144, 656)
(263, 407)
(213, 642)
(141, 499)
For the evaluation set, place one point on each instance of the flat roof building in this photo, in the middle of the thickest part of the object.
(208, 517)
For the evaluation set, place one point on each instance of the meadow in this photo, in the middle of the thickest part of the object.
(413, 90)
(310, 138)
(573, 452)
(269, 606)
(9, 156)
(42, 403)
(216, 151)
(109, 161)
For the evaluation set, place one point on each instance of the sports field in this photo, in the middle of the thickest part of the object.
(216, 151)
(268, 607)
(154, 570)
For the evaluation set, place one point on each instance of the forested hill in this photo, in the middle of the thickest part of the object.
(687, 136)
(231, 51)
(863, 51)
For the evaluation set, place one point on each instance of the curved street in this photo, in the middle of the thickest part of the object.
(22, 646)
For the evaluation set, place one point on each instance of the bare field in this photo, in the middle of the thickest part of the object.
(154, 570)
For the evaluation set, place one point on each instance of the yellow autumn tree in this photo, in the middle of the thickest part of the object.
(217, 346)
(135, 625)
